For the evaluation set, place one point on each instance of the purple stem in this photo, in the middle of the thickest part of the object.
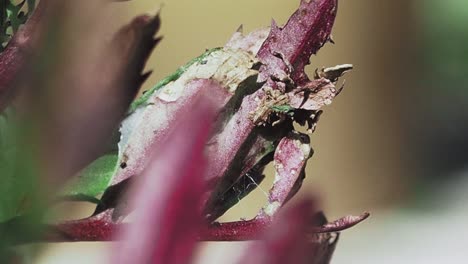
(102, 228)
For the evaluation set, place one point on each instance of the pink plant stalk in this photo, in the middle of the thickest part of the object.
(170, 204)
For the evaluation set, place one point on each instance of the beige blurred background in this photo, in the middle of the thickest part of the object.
(365, 158)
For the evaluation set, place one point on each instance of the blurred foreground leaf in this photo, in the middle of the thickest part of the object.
(8, 152)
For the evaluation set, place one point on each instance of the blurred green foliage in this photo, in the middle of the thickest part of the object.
(7, 163)
(439, 108)
(445, 45)
(19, 193)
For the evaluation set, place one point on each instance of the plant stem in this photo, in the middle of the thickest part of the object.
(101, 228)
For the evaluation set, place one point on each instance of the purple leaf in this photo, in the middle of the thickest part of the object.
(285, 241)
(290, 160)
(341, 224)
(287, 50)
(168, 193)
(79, 93)
(250, 43)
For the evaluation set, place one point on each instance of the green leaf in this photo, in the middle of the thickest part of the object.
(18, 184)
(7, 165)
(173, 77)
(94, 179)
